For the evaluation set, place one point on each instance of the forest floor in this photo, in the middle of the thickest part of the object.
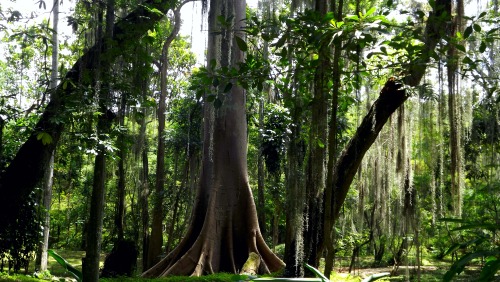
(432, 270)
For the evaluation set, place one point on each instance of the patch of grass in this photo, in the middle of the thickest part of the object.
(17, 278)
(218, 277)
(344, 277)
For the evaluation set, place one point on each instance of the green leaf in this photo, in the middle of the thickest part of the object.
(75, 272)
(371, 11)
(222, 20)
(241, 44)
(490, 268)
(468, 32)
(215, 82)
(352, 17)
(321, 144)
(281, 41)
(482, 47)
(317, 273)
(460, 264)
(45, 137)
(228, 87)
(477, 27)
(467, 60)
(452, 248)
(213, 64)
(460, 47)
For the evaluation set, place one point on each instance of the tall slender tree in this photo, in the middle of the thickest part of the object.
(156, 241)
(49, 173)
(90, 263)
(224, 228)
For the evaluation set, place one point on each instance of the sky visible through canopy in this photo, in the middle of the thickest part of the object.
(192, 20)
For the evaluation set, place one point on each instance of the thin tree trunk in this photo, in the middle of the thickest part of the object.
(454, 117)
(177, 191)
(144, 190)
(90, 263)
(261, 202)
(2, 125)
(156, 242)
(47, 187)
(120, 205)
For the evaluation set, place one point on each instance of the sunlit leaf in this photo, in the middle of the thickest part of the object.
(370, 12)
(44, 137)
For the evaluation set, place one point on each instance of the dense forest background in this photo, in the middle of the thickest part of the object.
(132, 127)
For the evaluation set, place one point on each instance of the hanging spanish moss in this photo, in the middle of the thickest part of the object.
(454, 116)
(441, 109)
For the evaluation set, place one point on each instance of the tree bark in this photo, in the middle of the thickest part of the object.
(156, 242)
(294, 247)
(90, 263)
(261, 202)
(120, 204)
(144, 195)
(224, 228)
(327, 244)
(391, 97)
(33, 156)
(48, 179)
(316, 171)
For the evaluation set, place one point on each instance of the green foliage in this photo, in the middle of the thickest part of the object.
(19, 240)
(17, 278)
(75, 272)
(274, 136)
(317, 273)
(480, 245)
(218, 277)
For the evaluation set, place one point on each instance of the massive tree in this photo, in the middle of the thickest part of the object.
(224, 228)
(28, 167)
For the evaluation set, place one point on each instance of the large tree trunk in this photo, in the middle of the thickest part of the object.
(33, 156)
(224, 228)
